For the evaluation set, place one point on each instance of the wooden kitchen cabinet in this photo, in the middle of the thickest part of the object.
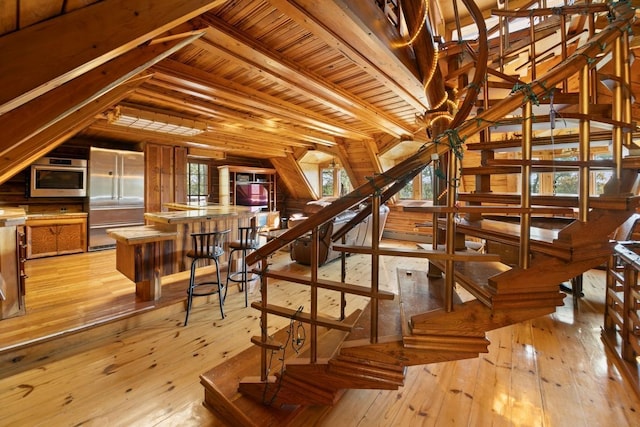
(56, 235)
(12, 257)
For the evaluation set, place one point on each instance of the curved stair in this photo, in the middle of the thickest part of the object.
(427, 322)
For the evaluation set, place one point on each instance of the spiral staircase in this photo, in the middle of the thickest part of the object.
(553, 238)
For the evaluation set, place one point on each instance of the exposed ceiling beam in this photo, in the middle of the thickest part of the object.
(283, 132)
(228, 142)
(220, 91)
(20, 157)
(346, 32)
(36, 115)
(46, 55)
(293, 178)
(224, 40)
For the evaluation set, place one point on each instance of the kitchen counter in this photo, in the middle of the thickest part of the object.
(56, 215)
(12, 216)
(184, 213)
(147, 253)
(140, 234)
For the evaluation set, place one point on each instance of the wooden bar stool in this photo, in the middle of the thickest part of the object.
(206, 246)
(247, 242)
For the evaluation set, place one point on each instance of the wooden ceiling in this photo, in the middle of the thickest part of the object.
(266, 78)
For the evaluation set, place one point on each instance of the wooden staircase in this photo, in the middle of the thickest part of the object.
(551, 238)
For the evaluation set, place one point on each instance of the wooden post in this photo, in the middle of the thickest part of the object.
(584, 131)
(315, 260)
(375, 262)
(525, 201)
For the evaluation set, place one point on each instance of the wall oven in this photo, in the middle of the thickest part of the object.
(58, 177)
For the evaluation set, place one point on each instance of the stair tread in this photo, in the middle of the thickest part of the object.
(622, 202)
(418, 293)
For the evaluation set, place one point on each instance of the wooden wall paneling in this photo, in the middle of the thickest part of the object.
(180, 175)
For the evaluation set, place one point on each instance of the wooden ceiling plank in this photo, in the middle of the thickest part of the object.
(296, 135)
(213, 88)
(33, 117)
(74, 43)
(381, 62)
(228, 142)
(22, 156)
(223, 39)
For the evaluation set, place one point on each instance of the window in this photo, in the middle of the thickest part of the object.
(335, 182)
(565, 182)
(600, 177)
(198, 183)
(328, 182)
(419, 188)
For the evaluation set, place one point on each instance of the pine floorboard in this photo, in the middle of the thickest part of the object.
(549, 371)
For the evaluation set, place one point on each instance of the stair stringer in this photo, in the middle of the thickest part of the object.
(472, 317)
(392, 351)
(580, 233)
(545, 272)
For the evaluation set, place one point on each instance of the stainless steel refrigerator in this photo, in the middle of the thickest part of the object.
(116, 193)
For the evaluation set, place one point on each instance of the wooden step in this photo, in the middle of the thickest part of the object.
(514, 166)
(392, 350)
(222, 397)
(285, 389)
(367, 374)
(543, 240)
(541, 143)
(453, 342)
(581, 233)
(473, 317)
(623, 202)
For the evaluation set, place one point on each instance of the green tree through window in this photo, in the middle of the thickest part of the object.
(198, 182)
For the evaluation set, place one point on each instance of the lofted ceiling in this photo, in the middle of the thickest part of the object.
(258, 78)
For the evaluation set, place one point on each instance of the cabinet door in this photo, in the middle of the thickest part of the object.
(42, 240)
(70, 238)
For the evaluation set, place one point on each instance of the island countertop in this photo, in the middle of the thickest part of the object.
(190, 213)
(140, 234)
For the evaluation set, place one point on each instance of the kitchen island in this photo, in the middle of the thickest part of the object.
(146, 253)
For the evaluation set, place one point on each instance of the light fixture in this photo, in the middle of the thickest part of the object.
(155, 122)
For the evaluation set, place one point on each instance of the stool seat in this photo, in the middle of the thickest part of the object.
(247, 242)
(239, 244)
(208, 247)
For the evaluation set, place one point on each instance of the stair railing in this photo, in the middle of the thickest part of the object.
(583, 59)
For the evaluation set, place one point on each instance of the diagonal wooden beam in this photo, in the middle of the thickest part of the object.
(224, 40)
(20, 157)
(44, 56)
(35, 116)
(369, 46)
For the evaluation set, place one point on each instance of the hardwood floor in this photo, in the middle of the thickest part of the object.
(143, 370)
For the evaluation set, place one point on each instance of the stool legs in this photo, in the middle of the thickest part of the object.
(243, 273)
(192, 286)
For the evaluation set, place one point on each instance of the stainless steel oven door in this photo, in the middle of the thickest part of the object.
(58, 181)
